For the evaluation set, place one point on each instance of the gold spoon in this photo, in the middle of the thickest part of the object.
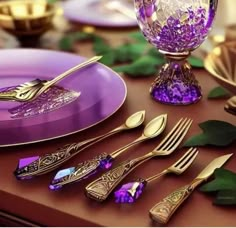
(104, 161)
(35, 166)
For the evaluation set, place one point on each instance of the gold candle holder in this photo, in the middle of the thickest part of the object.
(26, 17)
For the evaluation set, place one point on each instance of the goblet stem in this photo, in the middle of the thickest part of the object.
(176, 84)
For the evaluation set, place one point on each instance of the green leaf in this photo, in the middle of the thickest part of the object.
(138, 36)
(215, 132)
(108, 58)
(196, 62)
(224, 184)
(80, 36)
(224, 180)
(66, 43)
(218, 92)
(155, 53)
(52, 1)
(100, 47)
(144, 66)
(129, 52)
(226, 198)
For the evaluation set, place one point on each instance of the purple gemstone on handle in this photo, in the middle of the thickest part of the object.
(130, 192)
(106, 163)
(64, 172)
(54, 187)
(26, 161)
(24, 165)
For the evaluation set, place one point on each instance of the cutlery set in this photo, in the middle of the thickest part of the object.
(35, 166)
(101, 188)
(104, 160)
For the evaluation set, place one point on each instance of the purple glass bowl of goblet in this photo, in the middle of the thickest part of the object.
(175, 27)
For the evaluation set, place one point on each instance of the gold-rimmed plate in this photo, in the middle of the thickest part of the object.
(102, 93)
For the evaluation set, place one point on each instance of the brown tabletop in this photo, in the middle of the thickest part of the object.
(33, 201)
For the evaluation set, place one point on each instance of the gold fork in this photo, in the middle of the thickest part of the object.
(130, 192)
(32, 89)
(101, 188)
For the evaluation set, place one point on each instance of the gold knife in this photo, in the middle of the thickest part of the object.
(163, 210)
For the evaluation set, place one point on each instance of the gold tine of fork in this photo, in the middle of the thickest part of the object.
(101, 188)
(186, 160)
(173, 139)
(169, 134)
(180, 135)
(179, 166)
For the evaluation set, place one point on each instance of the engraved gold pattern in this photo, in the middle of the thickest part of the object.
(42, 163)
(162, 211)
(82, 170)
(65, 153)
(102, 187)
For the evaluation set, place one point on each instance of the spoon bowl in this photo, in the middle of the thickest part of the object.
(135, 120)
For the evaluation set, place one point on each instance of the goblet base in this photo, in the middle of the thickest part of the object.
(176, 84)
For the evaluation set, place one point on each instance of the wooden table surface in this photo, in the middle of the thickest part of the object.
(32, 201)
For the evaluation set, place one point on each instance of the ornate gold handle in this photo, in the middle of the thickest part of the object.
(82, 171)
(7, 95)
(163, 210)
(49, 162)
(101, 188)
(46, 163)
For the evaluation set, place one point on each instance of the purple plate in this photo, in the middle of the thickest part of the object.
(92, 13)
(102, 94)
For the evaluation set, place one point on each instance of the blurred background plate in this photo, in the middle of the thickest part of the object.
(94, 12)
(102, 94)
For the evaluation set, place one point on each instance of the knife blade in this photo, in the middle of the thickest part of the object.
(163, 210)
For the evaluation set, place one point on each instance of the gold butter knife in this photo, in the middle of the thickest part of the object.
(163, 210)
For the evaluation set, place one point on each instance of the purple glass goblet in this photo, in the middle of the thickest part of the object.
(175, 27)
